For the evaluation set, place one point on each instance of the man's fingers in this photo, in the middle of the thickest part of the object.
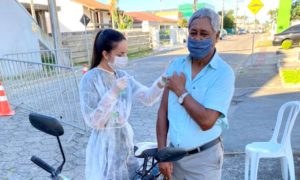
(169, 170)
(163, 170)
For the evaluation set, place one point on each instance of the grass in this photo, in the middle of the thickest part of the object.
(140, 54)
(131, 56)
(291, 76)
(265, 43)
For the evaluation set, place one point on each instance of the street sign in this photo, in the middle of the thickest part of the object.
(85, 20)
(255, 5)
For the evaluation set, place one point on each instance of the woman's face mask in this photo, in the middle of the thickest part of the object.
(199, 48)
(119, 62)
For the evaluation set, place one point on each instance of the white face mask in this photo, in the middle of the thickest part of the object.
(119, 62)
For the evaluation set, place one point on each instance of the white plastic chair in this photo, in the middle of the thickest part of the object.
(274, 148)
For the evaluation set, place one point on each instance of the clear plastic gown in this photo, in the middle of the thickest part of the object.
(110, 147)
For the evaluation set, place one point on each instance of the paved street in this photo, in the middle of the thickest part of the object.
(252, 115)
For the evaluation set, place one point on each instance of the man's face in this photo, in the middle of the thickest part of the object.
(201, 29)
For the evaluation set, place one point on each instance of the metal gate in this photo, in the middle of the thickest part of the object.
(42, 87)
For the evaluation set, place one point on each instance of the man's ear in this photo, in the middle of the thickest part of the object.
(217, 36)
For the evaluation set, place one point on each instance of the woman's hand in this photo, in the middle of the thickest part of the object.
(162, 81)
(120, 85)
(176, 83)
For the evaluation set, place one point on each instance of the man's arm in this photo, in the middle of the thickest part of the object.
(162, 124)
(162, 127)
(204, 117)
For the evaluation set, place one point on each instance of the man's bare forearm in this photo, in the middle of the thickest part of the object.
(162, 124)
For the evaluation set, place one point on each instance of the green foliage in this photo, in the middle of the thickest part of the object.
(122, 20)
(273, 15)
(142, 53)
(228, 19)
(49, 59)
(287, 44)
(295, 11)
(182, 22)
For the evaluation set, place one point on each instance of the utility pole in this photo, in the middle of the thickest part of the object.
(55, 29)
(32, 9)
(113, 5)
(222, 20)
(195, 5)
(236, 14)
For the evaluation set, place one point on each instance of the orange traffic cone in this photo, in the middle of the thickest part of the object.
(4, 104)
(84, 69)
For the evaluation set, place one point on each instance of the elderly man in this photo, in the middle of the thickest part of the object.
(194, 106)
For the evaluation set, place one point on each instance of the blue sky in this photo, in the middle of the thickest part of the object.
(143, 5)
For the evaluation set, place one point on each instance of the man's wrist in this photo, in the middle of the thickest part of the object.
(182, 97)
(181, 92)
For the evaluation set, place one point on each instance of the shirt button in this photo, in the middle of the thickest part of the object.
(194, 87)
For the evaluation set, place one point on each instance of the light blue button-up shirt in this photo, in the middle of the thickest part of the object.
(213, 88)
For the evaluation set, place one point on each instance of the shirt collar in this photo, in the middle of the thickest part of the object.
(213, 63)
(214, 60)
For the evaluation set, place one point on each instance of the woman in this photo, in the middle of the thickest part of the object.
(106, 95)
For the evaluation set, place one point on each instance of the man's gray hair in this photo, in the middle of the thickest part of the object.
(210, 14)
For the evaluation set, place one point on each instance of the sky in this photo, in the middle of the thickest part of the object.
(144, 5)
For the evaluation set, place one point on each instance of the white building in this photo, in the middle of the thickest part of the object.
(22, 33)
(69, 14)
(17, 32)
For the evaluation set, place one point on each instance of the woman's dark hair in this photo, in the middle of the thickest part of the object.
(105, 40)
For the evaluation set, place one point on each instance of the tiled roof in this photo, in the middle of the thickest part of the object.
(93, 4)
(144, 16)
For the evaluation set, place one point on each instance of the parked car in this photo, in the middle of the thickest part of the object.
(223, 33)
(292, 33)
(241, 31)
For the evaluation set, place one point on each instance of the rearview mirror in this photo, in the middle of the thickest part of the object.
(46, 124)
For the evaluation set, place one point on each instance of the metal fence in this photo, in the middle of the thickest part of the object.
(42, 87)
(60, 57)
(164, 36)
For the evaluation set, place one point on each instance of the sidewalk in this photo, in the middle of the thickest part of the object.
(253, 112)
(258, 96)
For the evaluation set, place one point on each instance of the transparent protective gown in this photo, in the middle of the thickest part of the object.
(110, 147)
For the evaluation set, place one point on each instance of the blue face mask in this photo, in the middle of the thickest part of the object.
(199, 48)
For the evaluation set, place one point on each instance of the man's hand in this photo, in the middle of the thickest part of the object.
(166, 168)
(176, 83)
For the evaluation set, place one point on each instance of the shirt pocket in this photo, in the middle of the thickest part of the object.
(198, 92)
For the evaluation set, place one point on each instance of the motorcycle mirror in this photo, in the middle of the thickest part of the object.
(46, 124)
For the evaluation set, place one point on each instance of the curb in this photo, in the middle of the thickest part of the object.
(295, 153)
(280, 68)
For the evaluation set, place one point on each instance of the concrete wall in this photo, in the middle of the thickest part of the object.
(69, 16)
(136, 38)
(16, 32)
(168, 14)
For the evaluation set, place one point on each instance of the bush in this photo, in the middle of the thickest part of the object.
(287, 44)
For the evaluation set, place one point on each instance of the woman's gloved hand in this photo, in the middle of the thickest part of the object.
(119, 85)
(162, 81)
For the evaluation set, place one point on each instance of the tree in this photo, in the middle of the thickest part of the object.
(182, 22)
(228, 19)
(122, 20)
(295, 11)
(273, 15)
(113, 8)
